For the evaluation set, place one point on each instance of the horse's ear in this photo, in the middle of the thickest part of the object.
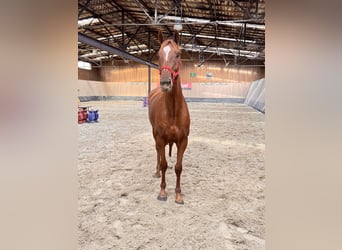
(176, 38)
(160, 36)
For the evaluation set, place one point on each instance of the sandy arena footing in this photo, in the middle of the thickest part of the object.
(223, 181)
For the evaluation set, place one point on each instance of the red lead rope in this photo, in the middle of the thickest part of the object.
(173, 73)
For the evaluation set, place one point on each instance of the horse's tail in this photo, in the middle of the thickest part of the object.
(170, 148)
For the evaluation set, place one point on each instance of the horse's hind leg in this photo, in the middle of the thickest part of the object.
(178, 169)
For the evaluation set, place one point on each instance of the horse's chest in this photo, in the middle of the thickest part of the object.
(170, 124)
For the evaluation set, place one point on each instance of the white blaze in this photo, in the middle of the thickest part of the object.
(167, 50)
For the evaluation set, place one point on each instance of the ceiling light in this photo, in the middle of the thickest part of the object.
(178, 25)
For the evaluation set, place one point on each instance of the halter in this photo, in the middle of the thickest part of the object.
(173, 73)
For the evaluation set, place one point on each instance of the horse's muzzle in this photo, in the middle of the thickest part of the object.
(166, 86)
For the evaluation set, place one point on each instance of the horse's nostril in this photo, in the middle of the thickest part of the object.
(167, 83)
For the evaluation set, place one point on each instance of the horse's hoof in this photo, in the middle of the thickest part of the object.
(157, 175)
(162, 198)
(180, 202)
(179, 199)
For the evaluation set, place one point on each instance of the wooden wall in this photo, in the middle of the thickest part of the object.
(213, 80)
(91, 75)
(220, 73)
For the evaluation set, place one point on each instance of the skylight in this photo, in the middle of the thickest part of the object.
(185, 19)
(219, 38)
(141, 51)
(204, 21)
(87, 21)
(84, 65)
(221, 51)
(142, 46)
(95, 53)
(110, 37)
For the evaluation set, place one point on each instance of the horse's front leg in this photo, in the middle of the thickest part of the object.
(178, 168)
(163, 166)
(157, 174)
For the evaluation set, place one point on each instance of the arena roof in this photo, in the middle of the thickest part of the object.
(229, 30)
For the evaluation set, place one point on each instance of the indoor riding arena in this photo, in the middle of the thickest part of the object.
(221, 74)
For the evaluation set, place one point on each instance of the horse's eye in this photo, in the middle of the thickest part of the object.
(177, 55)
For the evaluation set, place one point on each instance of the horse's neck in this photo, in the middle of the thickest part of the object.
(177, 90)
(175, 98)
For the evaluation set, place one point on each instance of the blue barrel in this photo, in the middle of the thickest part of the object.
(96, 115)
(91, 116)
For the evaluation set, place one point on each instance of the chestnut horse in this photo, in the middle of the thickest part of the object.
(168, 112)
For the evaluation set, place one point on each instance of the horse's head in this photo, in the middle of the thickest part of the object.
(169, 61)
